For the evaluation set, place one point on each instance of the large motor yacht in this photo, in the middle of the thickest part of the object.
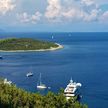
(70, 90)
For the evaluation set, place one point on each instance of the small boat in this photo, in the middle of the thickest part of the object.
(1, 57)
(29, 74)
(7, 82)
(52, 37)
(40, 85)
(69, 34)
(49, 87)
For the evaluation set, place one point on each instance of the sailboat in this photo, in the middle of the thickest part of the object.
(40, 85)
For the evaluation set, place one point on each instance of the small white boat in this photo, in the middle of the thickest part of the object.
(7, 82)
(49, 87)
(69, 34)
(29, 74)
(40, 85)
(52, 37)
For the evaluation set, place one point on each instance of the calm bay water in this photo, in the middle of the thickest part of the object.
(84, 58)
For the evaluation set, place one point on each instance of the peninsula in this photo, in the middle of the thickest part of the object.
(27, 44)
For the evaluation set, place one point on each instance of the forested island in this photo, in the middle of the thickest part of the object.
(13, 97)
(27, 44)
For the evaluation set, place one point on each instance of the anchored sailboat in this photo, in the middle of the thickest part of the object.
(40, 85)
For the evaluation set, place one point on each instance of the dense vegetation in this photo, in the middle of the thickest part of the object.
(25, 44)
(13, 97)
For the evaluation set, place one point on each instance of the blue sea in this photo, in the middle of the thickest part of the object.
(84, 58)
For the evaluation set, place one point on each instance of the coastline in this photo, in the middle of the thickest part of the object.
(40, 50)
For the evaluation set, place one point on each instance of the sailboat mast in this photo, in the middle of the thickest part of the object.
(41, 86)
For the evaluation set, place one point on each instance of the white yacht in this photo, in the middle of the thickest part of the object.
(70, 90)
(40, 85)
(29, 74)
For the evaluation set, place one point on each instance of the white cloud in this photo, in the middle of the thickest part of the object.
(93, 16)
(67, 11)
(53, 9)
(56, 11)
(104, 17)
(27, 18)
(88, 2)
(6, 5)
(77, 10)
(73, 14)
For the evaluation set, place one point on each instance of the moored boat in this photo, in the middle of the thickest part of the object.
(70, 90)
(40, 85)
(1, 57)
(29, 74)
(7, 82)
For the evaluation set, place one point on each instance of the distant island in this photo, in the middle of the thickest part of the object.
(27, 44)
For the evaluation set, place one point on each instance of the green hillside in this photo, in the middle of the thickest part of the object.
(13, 97)
(25, 44)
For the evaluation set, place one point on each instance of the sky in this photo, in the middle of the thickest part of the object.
(54, 15)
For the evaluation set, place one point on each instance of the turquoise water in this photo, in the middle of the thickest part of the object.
(84, 58)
